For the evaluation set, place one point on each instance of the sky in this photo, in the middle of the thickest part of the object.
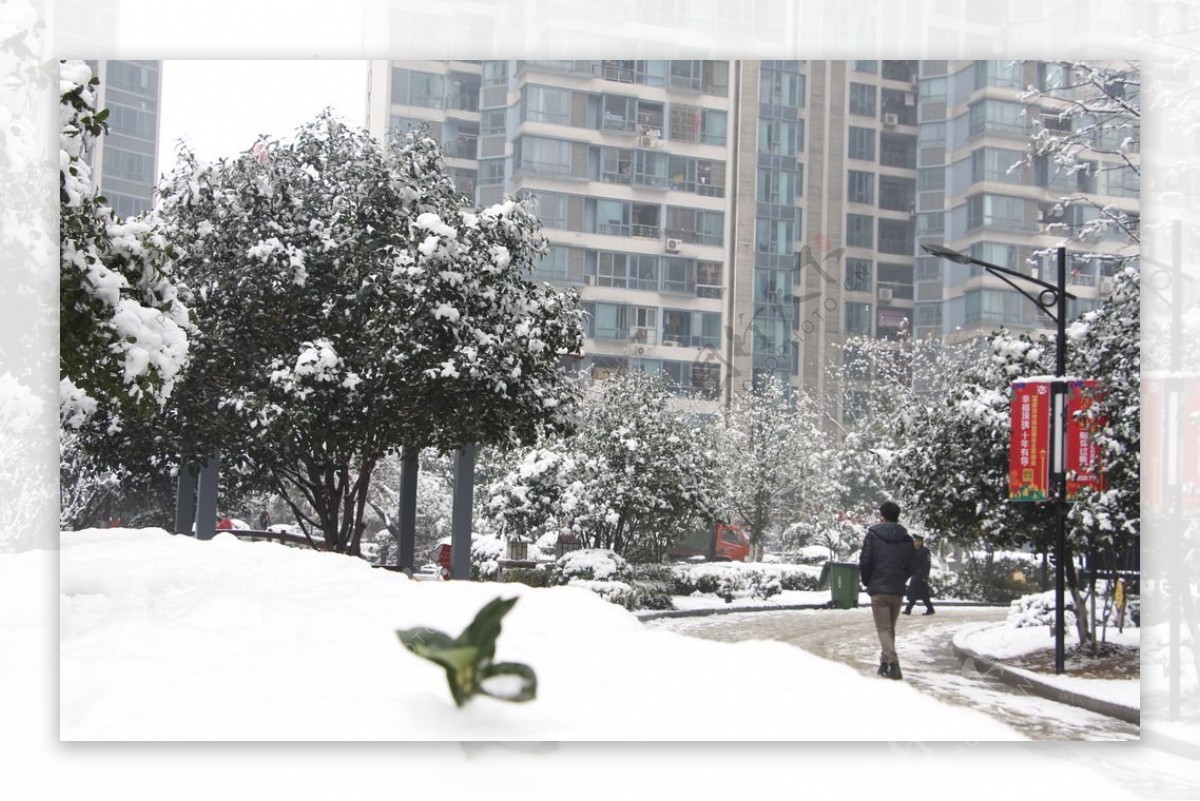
(221, 107)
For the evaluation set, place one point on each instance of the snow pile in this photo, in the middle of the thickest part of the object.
(169, 638)
(1037, 610)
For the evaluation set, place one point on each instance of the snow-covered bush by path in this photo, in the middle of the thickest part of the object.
(123, 325)
(601, 571)
(728, 579)
(1037, 610)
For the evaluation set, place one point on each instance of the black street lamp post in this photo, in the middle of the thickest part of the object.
(1052, 301)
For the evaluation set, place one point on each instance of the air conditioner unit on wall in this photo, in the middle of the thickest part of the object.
(891, 120)
(885, 293)
(1106, 286)
(589, 279)
(673, 245)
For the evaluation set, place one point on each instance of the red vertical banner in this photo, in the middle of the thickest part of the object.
(1029, 444)
(1153, 418)
(1083, 457)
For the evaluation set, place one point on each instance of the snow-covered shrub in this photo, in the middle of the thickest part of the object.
(797, 577)
(617, 592)
(486, 553)
(727, 579)
(653, 585)
(590, 564)
(529, 576)
(1037, 610)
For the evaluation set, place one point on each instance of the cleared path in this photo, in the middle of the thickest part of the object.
(926, 657)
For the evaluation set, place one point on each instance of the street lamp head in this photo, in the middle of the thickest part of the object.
(946, 253)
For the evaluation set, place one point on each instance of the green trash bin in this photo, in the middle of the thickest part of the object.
(842, 580)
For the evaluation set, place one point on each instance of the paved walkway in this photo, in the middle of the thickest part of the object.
(927, 655)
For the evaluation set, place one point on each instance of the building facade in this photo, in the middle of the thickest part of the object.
(125, 160)
(725, 220)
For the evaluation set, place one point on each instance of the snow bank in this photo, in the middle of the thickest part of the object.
(169, 638)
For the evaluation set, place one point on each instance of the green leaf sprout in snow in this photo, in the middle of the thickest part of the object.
(467, 659)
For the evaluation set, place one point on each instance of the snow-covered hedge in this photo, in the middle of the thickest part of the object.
(729, 579)
(613, 579)
(1029, 611)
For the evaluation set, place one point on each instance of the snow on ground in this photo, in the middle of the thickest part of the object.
(1006, 642)
(169, 638)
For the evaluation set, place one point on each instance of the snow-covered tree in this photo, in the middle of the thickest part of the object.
(1087, 138)
(771, 444)
(349, 303)
(123, 327)
(638, 473)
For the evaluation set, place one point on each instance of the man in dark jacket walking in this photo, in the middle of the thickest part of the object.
(885, 564)
(918, 585)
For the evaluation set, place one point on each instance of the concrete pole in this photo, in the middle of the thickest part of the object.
(464, 497)
(206, 497)
(185, 499)
(407, 516)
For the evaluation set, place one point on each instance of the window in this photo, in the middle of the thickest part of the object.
(694, 225)
(995, 306)
(932, 134)
(495, 72)
(132, 76)
(772, 336)
(998, 73)
(491, 172)
(677, 328)
(862, 100)
(773, 287)
(686, 74)
(780, 88)
(775, 236)
(547, 156)
(860, 187)
(715, 78)
(897, 194)
(932, 178)
(933, 90)
(997, 117)
(858, 275)
(618, 113)
(778, 137)
(650, 169)
(865, 66)
(553, 266)
(425, 89)
(547, 104)
(131, 122)
(552, 209)
(626, 270)
(860, 231)
(677, 275)
(858, 318)
(896, 236)
(713, 125)
(610, 321)
(129, 165)
(898, 278)
(860, 143)
(992, 164)
(685, 123)
(492, 122)
(776, 186)
(898, 150)
(996, 210)
(708, 279)
(645, 325)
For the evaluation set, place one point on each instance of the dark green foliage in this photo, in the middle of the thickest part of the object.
(467, 659)
(999, 581)
(529, 576)
(797, 580)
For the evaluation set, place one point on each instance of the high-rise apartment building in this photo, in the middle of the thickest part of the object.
(728, 219)
(125, 160)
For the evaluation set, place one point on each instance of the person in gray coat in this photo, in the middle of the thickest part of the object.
(885, 563)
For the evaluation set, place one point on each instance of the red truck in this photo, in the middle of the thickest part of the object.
(724, 542)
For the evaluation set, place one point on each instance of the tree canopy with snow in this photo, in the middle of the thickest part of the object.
(773, 449)
(636, 475)
(123, 325)
(349, 302)
(1087, 140)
